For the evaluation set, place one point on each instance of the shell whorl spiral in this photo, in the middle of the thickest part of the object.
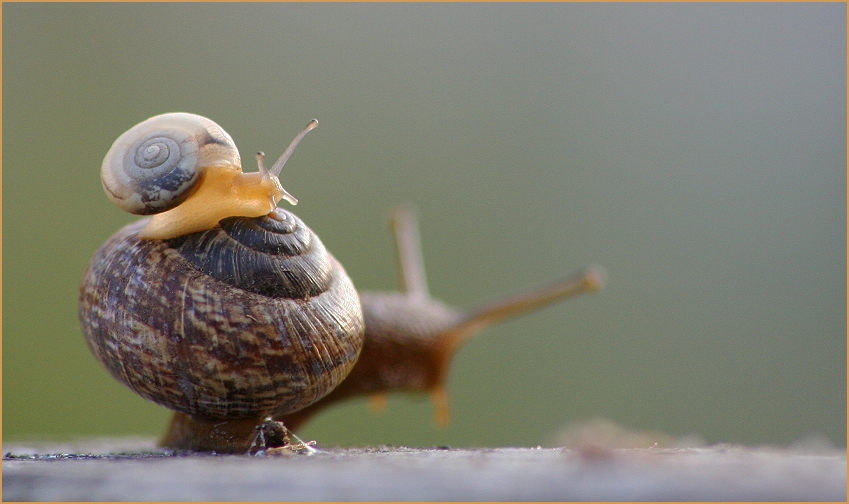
(156, 165)
(249, 319)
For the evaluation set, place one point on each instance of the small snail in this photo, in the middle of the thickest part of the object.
(230, 311)
(186, 169)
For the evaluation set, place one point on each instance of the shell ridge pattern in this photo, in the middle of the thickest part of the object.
(318, 348)
(230, 353)
(264, 256)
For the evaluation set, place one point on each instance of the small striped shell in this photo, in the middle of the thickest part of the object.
(246, 320)
(156, 164)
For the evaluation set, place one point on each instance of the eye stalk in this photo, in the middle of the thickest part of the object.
(278, 166)
(274, 173)
(223, 190)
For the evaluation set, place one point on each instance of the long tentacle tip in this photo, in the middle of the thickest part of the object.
(595, 277)
(278, 166)
(401, 213)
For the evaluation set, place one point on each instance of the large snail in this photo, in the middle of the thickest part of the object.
(229, 310)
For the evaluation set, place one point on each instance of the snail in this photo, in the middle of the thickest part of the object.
(230, 311)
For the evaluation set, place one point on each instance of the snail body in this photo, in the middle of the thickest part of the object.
(230, 311)
(411, 337)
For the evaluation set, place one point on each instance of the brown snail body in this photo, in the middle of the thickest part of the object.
(232, 350)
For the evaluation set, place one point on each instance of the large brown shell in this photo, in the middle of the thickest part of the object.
(246, 320)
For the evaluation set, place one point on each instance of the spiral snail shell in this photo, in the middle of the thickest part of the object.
(230, 311)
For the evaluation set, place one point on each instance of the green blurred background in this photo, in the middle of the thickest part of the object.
(698, 152)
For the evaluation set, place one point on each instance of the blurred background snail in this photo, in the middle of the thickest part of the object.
(230, 311)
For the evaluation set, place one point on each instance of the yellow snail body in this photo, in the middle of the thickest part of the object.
(229, 310)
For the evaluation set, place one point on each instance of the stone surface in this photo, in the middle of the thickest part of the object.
(126, 469)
